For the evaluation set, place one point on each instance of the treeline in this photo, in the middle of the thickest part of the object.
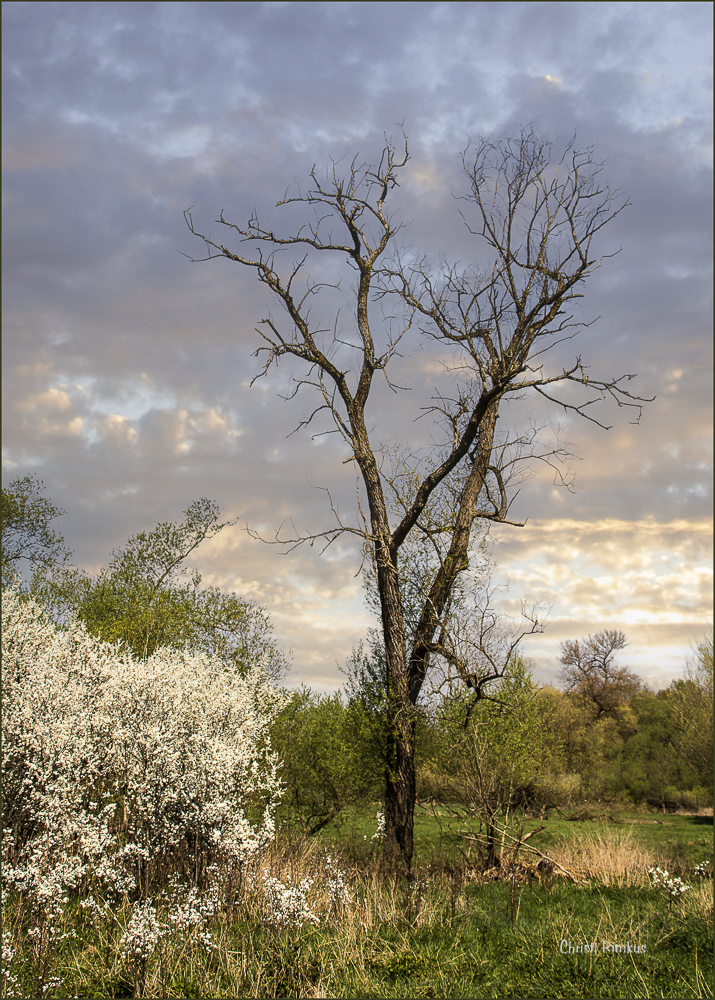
(532, 749)
(520, 751)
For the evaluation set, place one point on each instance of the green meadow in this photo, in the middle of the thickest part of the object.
(588, 923)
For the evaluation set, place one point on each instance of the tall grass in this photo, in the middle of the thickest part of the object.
(450, 931)
(610, 856)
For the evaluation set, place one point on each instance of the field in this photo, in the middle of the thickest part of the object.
(681, 840)
(528, 930)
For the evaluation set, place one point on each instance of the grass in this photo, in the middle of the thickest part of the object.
(677, 841)
(451, 932)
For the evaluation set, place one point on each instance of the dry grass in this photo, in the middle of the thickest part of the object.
(698, 902)
(612, 857)
(368, 946)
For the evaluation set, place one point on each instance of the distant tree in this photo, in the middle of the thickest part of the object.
(693, 703)
(326, 765)
(366, 693)
(366, 688)
(489, 754)
(699, 669)
(26, 533)
(591, 672)
(648, 767)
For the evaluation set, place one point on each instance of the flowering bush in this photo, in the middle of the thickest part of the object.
(113, 765)
(379, 834)
(661, 879)
(142, 933)
(337, 890)
(9, 982)
(288, 903)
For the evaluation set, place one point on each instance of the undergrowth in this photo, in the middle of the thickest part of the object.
(305, 922)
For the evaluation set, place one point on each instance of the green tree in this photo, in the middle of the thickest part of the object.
(147, 598)
(367, 691)
(648, 766)
(26, 533)
(693, 701)
(491, 751)
(326, 765)
(588, 762)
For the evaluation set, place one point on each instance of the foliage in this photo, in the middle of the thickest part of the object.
(645, 749)
(647, 764)
(115, 767)
(492, 750)
(693, 708)
(581, 748)
(26, 533)
(367, 689)
(326, 761)
(146, 598)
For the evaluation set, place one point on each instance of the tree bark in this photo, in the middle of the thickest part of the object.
(407, 676)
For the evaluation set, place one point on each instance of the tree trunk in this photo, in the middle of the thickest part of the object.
(492, 854)
(400, 766)
(400, 788)
(400, 769)
(406, 679)
(529, 215)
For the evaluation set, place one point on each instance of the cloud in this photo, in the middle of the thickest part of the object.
(127, 369)
(651, 579)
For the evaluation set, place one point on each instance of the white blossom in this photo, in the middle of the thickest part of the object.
(110, 761)
(142, 933)
(8, 954)
(287, 903)
(380, 832)
(675, 887)
(338, 893)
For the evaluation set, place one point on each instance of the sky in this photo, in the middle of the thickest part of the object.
(127, 369)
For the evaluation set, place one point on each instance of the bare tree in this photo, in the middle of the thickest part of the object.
(539, 219)
(590, 671)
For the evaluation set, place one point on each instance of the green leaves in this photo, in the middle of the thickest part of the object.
(693, 705)
(154, 559)
(26, 531)
(503, 744)
(488, 756)
(328, 764)
(146, 598)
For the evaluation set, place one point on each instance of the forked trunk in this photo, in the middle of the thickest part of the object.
(407, 677)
